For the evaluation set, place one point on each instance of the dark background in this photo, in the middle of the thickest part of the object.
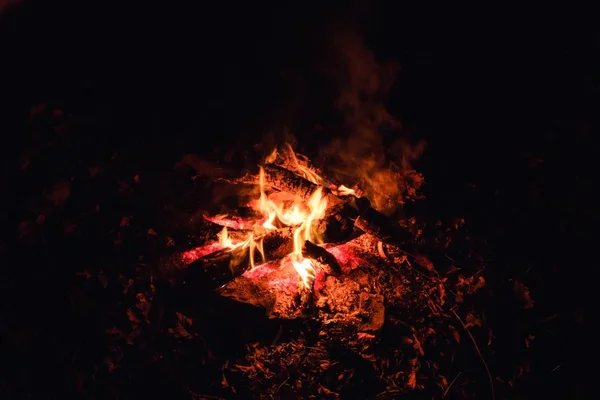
(505, 98)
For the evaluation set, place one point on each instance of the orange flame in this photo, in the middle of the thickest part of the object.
(345, 191)
(300, 216)
(306, 172)
(278, 211)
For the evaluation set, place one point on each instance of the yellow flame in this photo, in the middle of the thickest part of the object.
(277, 212)
(300, 216)
(345, 191)
(224, 239)
(271, 157)
(306, 172)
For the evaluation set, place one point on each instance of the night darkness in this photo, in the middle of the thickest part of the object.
(506, 101)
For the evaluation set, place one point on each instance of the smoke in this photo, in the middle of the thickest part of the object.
(371, 150)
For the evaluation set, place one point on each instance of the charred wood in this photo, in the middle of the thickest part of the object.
(336, 228)
(382, 227)
(284, 180)
(222, 266)
(326, 259)
(287, 181)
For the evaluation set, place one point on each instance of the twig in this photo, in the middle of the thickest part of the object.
(450, 385)
(478, 353)
(280, 386)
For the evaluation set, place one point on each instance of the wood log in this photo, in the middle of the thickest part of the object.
(287, 181)
(222, 266)
(382, 227)
(327, 260)
(283, 180)
(335, 228)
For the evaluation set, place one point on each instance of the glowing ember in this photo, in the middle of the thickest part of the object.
(229, 222)
(194, 254)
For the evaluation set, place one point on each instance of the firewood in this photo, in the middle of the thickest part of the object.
(335, 228)
(287, 181)
(222, 266)
(283, 180)
(326, 259)
(382, 227)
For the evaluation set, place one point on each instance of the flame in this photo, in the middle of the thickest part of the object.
(224, 239)
(249, 243)
(345, 191)
(304, 171)
(271, 157)
(279, 211)
(297, 215)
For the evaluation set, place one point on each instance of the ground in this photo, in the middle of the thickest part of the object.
(89, 310)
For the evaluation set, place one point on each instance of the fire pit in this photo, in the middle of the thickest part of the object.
(304, 247)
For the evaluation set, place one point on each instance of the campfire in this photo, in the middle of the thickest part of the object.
(303, 246)
(265, 265)
(299, 241)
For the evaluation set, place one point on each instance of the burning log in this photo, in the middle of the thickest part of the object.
(335, 228)
(287, 181)
(369, 220)
(326, 260)
(222, 266)
(284, 180)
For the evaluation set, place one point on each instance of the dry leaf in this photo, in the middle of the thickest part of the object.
(365, 336)
(224, 382)
(59, 192)
(472, 320)
(455, 333)
(490, 336)
(424, 262)
(328, 393)
(442, 294)
(412, 380)
(417, 346)
(132, 317)
(86, 273)
(102, 279)
(524, 295)
(528, 340)
(93, 171)
(183, 329)
(143, 304)
(443, 383)
(480, 283)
